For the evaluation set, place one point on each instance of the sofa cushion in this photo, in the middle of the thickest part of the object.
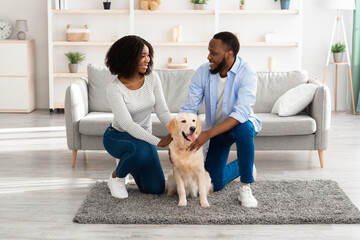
(158, 128)
(271, 85)
(274, 125)
(175, 84)
(95, 123)
(98, 79)
(294, 100)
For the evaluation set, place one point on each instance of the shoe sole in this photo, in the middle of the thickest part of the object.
(249, 205)
(120, 197)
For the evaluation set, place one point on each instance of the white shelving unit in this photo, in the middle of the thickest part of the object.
(151, 26)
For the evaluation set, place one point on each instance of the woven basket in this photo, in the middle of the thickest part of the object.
(77, 35)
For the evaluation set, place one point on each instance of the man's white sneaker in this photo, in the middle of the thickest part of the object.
(245, 196)
(117, 187)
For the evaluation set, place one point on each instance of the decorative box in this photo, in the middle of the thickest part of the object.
(181, 64)
(77, 34)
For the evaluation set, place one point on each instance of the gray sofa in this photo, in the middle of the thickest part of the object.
(87, 112)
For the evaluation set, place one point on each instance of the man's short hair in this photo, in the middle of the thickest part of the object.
(124, 56)
(230, 40)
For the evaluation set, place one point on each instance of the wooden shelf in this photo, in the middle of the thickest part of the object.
(341, 63)
(90, 43)
(260, 12)
(16, 41)
(178, 44)
(69, 75)
(90, 11)
(269, 44)
(190, 12)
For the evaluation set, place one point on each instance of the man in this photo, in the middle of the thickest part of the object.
(228, 84)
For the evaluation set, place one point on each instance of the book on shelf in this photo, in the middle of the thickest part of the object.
(57, 4)
(61, 4)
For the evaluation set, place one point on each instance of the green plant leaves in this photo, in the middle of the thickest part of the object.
(338, 47)
(75, 57)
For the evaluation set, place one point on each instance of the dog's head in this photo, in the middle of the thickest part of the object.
(184, 128)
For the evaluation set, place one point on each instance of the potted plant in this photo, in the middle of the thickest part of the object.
(338, 50)
(74, 58)
(199, 4)
(107, 5)
(284, 4)
(242, 4)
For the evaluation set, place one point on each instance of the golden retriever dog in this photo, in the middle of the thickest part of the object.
(189, 176)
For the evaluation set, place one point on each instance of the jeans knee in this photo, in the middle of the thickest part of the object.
(245, 129)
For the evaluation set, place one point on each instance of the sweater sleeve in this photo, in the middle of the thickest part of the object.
(123, 117)
(161, 109)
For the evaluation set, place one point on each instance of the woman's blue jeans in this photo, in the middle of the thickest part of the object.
(138, 158)
(219, 148)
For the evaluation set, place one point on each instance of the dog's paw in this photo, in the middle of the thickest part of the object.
(205, 204)
(182, 203)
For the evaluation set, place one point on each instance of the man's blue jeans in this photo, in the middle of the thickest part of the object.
(219, 148)
(138, 158)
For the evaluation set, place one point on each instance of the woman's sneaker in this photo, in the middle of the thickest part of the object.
(245, 196)
(117, 187)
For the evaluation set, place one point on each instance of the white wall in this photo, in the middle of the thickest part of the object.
(317, 29)
(34, 11)
(317, 26)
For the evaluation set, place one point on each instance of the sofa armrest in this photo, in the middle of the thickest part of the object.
(320, 110)
(76, 107)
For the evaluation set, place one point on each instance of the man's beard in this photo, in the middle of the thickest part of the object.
(219, 67)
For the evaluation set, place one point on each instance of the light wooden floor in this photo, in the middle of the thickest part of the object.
(40, 192)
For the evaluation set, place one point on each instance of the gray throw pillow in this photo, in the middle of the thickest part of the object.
(175, 85)
(271, 85)
(98, 79)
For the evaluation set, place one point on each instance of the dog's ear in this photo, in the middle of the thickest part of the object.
(198, 126)
(172, 126)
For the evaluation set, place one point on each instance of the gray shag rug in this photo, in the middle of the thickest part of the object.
(280, 202)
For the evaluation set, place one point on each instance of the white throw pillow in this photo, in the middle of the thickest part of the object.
(294, 100)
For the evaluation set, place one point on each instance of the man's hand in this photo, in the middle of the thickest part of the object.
(226, 125)
(165, 141)
(201, 140)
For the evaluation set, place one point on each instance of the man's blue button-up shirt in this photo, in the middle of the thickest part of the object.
(239, 94)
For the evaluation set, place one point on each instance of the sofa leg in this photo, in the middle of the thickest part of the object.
(74, 152)
(85, 157)
(321, 157)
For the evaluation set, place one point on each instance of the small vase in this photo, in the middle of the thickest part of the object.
(107, 5)
(73, 67)
(338, 57)
(242, 7)
(284, 4)
(199, 6)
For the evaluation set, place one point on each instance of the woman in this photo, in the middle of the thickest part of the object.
(132, 96)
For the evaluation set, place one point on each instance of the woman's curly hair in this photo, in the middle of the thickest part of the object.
(124, 55)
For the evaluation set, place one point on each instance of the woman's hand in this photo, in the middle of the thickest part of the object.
(165, 141)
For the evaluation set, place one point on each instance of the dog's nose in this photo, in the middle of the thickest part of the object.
(192, 129)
